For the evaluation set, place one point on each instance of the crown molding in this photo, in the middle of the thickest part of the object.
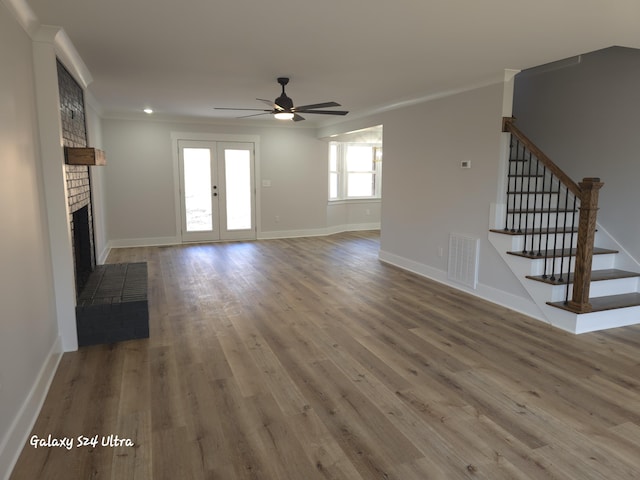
(65, 50)
(24, 15)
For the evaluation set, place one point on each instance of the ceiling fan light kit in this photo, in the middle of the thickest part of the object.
(283, 115)
(283, 109)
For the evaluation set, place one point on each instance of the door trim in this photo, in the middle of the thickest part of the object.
(212, 137)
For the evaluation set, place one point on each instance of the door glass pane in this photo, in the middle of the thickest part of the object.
(237, 168)
(197, 189)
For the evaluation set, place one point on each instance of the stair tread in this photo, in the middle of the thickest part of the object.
(536, 231)
(610, 302)
(560, 253)
(596, 276)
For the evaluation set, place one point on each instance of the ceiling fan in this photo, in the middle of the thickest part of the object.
(282, 108)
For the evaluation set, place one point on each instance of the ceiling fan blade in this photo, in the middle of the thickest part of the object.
(316, 105)
(274, 106)
(255, 114)
(325, 112)
(297, 118)
(252, 109)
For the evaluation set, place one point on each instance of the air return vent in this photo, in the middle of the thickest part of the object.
(463, 259)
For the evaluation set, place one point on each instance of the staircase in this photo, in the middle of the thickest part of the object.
(577, 275)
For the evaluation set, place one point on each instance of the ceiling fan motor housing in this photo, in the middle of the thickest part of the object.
(283, 101)
(283, 104)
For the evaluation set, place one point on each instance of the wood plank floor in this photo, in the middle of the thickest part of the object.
(309, 359)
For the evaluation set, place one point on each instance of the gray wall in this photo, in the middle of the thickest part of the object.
(140, 178)
(427, 196)
(583, 113)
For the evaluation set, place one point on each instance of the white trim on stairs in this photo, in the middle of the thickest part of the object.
(541, 292)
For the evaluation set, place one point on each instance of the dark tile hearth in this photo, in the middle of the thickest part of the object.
(113, 305)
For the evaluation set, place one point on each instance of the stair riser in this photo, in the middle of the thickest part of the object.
(544, 242)
(613, 287)
(597, 289)
(619, 317)
(600, 262)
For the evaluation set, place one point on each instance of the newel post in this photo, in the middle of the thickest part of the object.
(584, 251)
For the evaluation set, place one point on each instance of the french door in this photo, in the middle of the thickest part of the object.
(217, 190)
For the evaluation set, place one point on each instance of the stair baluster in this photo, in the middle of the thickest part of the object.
(520, 197)
(569, 198)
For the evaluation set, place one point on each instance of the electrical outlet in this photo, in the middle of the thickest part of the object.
(440, 252)
(277, 218)
(465, 164)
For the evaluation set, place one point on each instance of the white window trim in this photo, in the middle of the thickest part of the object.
(342, 175)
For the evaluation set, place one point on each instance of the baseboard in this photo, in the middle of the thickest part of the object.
(102, 256)
(486, 292)
(308, 232)
(354, 227)
(24, 421)
(318, 232)
(143, 242)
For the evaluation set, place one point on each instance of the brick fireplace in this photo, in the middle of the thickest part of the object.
(74, 134)
(111, 300)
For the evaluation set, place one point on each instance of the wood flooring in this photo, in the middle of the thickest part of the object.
(309, 359)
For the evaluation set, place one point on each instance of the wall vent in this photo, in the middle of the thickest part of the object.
(463, 259)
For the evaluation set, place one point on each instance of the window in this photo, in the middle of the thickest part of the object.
(355, 171)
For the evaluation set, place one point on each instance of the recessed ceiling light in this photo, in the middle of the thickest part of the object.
(148, 111)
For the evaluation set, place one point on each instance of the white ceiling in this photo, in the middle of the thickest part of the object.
(184, 57)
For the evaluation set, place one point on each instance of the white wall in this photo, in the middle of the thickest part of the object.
(28, 328)
(140, 179)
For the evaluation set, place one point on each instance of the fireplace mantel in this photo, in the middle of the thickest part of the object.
(84, 156)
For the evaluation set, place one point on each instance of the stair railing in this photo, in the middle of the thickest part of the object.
(548, 226)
